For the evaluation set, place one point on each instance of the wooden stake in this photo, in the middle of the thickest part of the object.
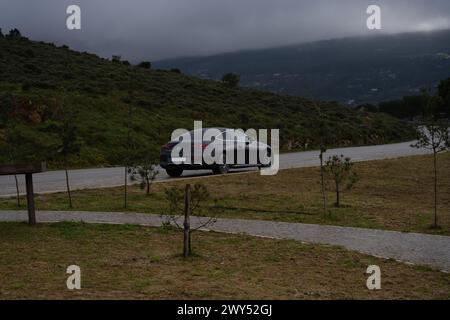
(187, 223)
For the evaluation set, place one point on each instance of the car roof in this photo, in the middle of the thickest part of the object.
(221, 129)
(215, 128)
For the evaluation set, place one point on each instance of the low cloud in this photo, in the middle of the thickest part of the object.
(157, 29)
(434, 24)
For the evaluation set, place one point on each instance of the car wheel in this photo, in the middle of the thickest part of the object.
(265, 165)
(221, 169)
(174, 172)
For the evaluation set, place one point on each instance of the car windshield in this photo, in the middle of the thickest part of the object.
(201, 135)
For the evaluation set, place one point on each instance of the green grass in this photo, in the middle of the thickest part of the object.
(391, 194)
(123, 262)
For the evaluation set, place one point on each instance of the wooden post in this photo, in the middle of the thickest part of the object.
(30, 199)
(187, 224)
(126, 188)
(28, 170)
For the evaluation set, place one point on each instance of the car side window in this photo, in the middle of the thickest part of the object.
(240, 137)
(219, 138)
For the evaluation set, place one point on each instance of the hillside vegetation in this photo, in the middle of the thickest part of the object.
(40, 85)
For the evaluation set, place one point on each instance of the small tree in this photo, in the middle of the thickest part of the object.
(340, 171)
(17, 190)
(145, 65)
(325, 134)
(145, 174)
(434, 136)
(129, 158)
(14, 33)
(1, 33)
(193, 203)
(69, 145)
(116, 59)
(231, 80)
(322, 176)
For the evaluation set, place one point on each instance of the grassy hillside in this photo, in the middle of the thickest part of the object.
(40, 82)
(366, 69)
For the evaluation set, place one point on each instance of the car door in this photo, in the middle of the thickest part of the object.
(249, 146)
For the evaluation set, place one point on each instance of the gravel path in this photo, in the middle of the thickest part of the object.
(413, 248)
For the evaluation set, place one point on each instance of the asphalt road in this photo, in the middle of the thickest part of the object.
(54, 181)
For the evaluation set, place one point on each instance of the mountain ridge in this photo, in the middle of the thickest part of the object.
(365, 69)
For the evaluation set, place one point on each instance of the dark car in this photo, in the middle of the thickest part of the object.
(200, 149)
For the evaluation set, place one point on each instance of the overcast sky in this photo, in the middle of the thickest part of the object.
(157, 29)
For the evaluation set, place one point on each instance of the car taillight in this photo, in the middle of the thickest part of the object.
(201, 146)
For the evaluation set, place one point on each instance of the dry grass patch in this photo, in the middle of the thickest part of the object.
(145, 263)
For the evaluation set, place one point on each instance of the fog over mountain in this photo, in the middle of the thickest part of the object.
(352, 70)
(158, 29)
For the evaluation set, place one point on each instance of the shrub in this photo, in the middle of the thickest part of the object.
(145, 65)
(231, 80)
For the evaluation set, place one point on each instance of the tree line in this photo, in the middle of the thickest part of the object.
(414, 106)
